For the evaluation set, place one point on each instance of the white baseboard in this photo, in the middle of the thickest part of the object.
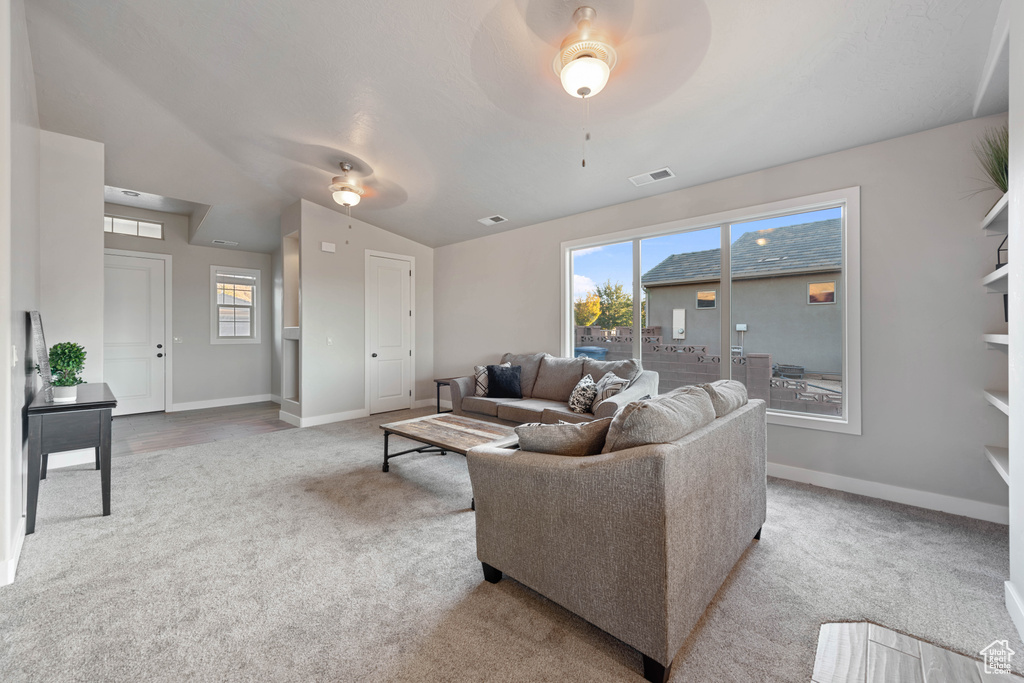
(10, 565)
(1015, 607)
(897, 494)
(275, 398)
(221, 402)
(425, 403)
(318, 420)
(83, 456)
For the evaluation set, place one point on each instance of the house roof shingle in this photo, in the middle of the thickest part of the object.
(806, 247)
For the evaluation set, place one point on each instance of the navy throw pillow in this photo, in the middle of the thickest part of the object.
(503, 382)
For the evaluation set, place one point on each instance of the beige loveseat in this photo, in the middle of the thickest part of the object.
(635, 541)
(546, 383)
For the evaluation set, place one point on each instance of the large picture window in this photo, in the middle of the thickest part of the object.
(235, 317)
(772, 293)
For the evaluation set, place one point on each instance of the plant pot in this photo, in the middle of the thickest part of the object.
(65, 394)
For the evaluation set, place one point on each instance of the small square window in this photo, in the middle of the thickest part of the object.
(707, 298)
(821, 293)
(235, 303)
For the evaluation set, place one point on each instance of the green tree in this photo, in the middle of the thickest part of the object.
(616, 306)
(586, 309)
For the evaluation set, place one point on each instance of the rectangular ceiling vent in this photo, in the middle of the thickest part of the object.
(225, 243)
(492, 220)
(652, 177)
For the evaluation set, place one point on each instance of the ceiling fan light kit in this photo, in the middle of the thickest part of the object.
(586, 58)
(345, 192)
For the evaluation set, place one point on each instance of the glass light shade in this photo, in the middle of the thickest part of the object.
(585, 73)
(346, 197)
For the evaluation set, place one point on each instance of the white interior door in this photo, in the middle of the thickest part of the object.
(389, 326)
(134, 347)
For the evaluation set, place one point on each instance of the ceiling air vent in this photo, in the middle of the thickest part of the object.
(225, 243)
(652, 177)
(492, 220)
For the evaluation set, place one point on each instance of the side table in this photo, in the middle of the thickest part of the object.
(440, 382)
(56, 427)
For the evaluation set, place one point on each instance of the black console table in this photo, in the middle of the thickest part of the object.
(56, 427)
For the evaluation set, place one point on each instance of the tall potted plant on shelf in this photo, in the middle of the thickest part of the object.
(67, 360)
(993, 153)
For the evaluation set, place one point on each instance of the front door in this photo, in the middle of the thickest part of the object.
(389, 325)
(134, 347)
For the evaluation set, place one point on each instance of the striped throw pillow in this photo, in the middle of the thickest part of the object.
(608, 386)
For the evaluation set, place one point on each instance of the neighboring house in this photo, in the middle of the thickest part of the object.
(786, 291)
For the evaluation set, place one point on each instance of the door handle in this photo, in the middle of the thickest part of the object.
(373, 355)
(159, 346)
(159, 355)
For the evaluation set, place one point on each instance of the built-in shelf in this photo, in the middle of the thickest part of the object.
(999, 339)
(996, 219)
(996, 281)
(1000, 399)
(1000, 459)
(292, 333)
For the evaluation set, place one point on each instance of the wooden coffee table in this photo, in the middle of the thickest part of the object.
(446, 432)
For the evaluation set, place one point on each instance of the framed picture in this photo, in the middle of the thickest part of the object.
(42, 354)
(707, 298)
(821, 292)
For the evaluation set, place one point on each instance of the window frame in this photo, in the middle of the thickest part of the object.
(714, 301)
(163, 228)
(215, 337)
(835, 293)
(849, 283)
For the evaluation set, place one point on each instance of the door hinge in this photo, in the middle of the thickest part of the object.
(410, 273)
(410, 392)
(410, 314)
(410, 352)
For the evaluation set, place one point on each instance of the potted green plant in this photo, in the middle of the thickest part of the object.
(993, 153)
(67, 360)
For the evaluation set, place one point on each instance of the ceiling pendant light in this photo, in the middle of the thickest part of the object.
(586, 58)
(345, 191)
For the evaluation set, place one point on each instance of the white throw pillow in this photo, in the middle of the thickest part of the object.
(608, 386)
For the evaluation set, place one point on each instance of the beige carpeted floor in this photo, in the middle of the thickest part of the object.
(291, 557)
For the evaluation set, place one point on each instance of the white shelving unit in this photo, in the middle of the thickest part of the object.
(996, 222)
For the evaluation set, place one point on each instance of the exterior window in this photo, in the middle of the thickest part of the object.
(235, 296)
(744, 275)
(130, 226)
(821, 292)
(707, 298)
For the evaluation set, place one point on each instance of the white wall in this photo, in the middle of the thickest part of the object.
(204, 372)
(71, 245)
(333, 304)
(1015, 586)
(923, 311)
(19, 260)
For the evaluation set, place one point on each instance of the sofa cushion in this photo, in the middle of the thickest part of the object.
(557, 377)
(530, 363)
(503, 382)
(564, 438)
(662, 419)
(484, 405)
(527, 410)
(480, 375)
(627, 369)
(554, 415)
(726, 395)
(582, 397)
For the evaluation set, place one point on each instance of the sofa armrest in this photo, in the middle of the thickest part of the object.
(459, 388)
(645, 384)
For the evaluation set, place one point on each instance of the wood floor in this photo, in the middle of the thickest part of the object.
(158, 431)
(866, 653)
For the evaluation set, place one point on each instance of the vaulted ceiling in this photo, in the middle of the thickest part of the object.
(450, 110)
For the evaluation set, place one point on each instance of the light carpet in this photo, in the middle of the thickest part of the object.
(291, 557)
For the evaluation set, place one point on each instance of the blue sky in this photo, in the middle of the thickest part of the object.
(615, 261)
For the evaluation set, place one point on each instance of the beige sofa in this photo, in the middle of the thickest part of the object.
(637, 541)
(547, 382)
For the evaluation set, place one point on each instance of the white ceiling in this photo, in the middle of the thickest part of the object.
(450, 110)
